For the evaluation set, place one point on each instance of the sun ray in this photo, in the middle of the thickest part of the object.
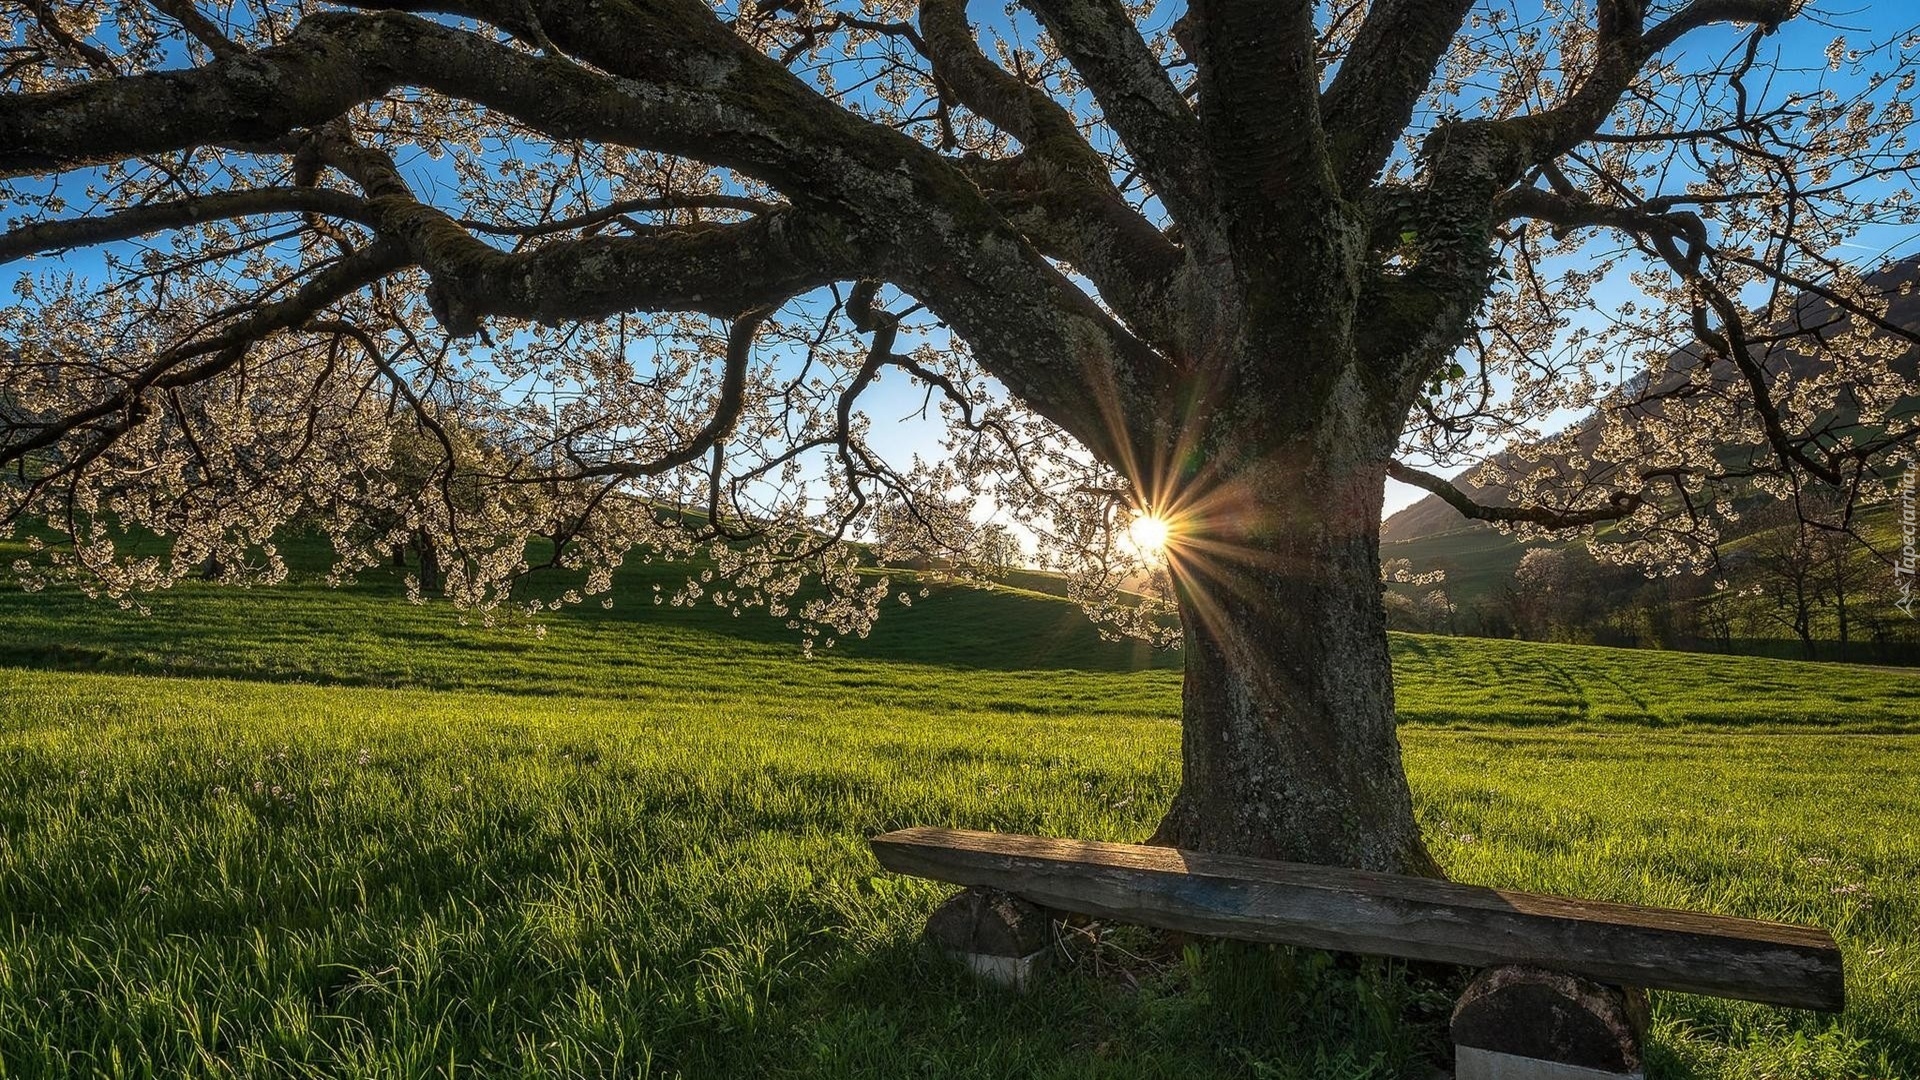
(1149, 534)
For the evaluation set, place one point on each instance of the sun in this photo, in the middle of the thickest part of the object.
(1148, 534)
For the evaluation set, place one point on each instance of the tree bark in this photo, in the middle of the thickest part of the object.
(1288, 738)
(1840, 598)
(430, 579)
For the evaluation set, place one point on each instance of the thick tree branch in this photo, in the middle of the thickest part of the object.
(1058, 191)
(329, 63)
(1147, 111)
(1572, 211)
(44, 236)
(1096, 232)
(858, 188)
(936, 234)
(1371, 99)
(1417, 315)
(1619, 505)
(1024, 111)
(722, 270)
(1296, 246)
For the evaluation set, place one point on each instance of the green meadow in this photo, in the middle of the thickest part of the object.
(306, 832)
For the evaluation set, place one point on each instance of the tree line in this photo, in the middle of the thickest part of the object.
(1803, 582)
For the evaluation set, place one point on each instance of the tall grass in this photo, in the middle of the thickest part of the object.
(636, 846)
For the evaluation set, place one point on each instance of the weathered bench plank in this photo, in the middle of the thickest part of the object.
(1386, 914)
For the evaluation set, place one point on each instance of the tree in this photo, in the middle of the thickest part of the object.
(1537, 599)
(1714, 612)
(1788, 561)
(1847, 572)
(1802, 559)
(1232, 265)
(1439, 606)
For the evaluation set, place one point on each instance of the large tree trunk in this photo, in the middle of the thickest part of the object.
(1288, 737)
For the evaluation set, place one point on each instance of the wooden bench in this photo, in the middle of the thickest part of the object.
(1534, 945)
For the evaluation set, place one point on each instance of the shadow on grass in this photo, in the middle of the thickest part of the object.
(1208, 1009)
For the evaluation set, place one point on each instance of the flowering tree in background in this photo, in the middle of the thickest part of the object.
(626, 275)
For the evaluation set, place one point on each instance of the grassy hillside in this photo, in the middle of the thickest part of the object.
(635, 846)
(1478, 559)
(1480, 562)
(1005, 650)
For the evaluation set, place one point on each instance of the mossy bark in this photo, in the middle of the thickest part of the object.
(1288, 742)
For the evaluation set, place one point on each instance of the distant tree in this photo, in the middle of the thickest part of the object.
(1680, 610)
(1566, 594)
(1786, 558)
(1232, 264)
(1892, 632)
(1535, 598)
(1714, 614)
(1491, 617)
(1426, 613)
(1652, 615)
(1404, 612)
(1440, 610)
(1849, 565)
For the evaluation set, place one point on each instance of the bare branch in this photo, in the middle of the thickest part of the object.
(49, 20)
(1625, 46)
(188, 15)
(727, 408)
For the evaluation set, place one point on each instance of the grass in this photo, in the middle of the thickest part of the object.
(636, 846)
(1006, 650)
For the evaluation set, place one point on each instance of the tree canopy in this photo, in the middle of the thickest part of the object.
(659, 252)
